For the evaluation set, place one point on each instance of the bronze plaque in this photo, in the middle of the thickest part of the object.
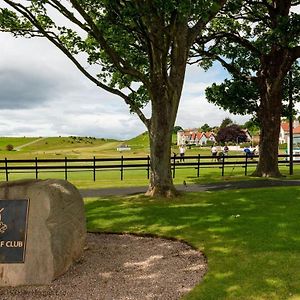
(13, 230)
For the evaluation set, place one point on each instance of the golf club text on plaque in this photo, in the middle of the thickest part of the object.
(13, 230)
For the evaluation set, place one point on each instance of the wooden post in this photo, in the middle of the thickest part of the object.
(36, 168)
(198, 166)
(122, 163)
(148, 167)
(291, 135)
(66, 168)
(6, 170)
(174, 165)
(94, 169)
(246, 164)
(223, 165)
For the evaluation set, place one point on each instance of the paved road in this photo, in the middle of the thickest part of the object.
(192, 187)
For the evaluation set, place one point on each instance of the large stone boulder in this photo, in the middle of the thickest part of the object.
(56, 230)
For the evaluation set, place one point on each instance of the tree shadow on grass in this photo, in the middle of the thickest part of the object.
(250, 237)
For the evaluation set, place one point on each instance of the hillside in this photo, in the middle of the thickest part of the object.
(15, 141)
(57, 146)
(76, 147)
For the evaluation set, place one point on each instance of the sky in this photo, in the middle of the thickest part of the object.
(43, 94)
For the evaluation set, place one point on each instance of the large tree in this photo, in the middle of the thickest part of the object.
(257, 42)
(139, 48)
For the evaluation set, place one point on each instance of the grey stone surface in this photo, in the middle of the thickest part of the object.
(56, 231)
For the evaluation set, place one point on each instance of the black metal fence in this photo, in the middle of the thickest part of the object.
(67, 165)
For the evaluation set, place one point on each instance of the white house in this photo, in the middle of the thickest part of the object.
(194, 137)
(285, 130)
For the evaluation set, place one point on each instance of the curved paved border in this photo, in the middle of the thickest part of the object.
(192, 187)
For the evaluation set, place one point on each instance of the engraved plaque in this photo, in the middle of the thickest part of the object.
(13, 230)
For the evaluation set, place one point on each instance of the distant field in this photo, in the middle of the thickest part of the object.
(80, 147)
(51, 147)
(15, 141)
(87, 148)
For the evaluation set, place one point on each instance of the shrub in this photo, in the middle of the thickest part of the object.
(283, 146)
(9, 147)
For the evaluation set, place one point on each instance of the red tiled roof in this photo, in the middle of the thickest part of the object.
(286, 128)
(199, 135)
(296, 129)
(209, 134)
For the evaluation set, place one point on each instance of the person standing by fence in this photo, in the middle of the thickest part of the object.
(214, 152)
(182, 152)
(225, 150)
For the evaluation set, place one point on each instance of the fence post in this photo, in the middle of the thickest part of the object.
(66, 168)
(174, 165)
(198, 166)
(94, 169)
(36, 168)
(246, 164)
(223, 165)
(148, 167)
(6, 171)
(122, 163)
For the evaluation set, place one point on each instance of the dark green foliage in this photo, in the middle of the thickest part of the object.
(177, 128)
(226, 122)
(205, 128)
(231, 133)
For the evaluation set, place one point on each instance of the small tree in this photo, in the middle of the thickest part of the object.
(205, 127)
(231, 133)
(226, 122)
(9, 147)
(176, 129)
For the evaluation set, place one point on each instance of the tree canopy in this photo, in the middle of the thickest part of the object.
(257, 42)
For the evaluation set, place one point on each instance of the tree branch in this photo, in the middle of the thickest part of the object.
(56, 41)
(199, 26)
(118, 61)
(238, 39)
(230, 67)
(68, 14)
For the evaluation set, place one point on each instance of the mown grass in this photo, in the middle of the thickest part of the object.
(108, 179)
(251, 237)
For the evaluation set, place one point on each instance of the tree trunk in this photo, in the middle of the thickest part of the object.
(167, 72)
(271, 87)
(160, 136)
(161, 181)
(268, 147)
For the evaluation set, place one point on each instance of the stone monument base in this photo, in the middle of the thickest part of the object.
(55, 234)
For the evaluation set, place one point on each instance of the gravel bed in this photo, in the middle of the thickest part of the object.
(123, 267)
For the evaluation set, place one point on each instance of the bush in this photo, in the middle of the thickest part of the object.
(209, 143)
(283, 146)
(245, 145)
(9, 147)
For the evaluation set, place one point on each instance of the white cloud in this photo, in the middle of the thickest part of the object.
(43, 94)
(194, 110)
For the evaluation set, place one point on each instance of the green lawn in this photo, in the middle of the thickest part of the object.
(251, 237)
(107, 179)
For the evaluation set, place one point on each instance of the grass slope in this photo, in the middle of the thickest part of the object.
(15, 141)
(251, 237)
(55, 146)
